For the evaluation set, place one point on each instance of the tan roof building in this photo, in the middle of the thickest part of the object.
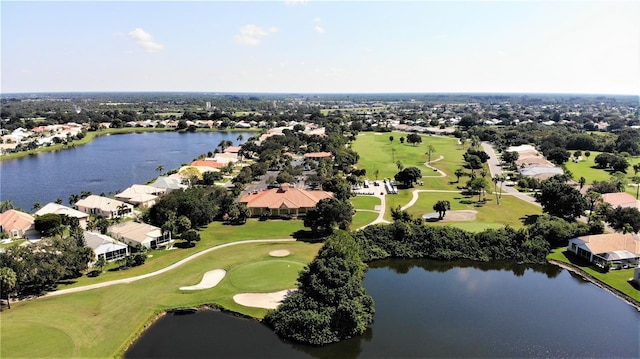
(141, 195)
(613, 248)
(103, 206)
(620, 199)
(283, 201)
(140, 235)
(318, 155)
(17, 224)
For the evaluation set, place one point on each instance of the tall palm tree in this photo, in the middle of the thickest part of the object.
(240, 138)
(160, 169)
(6, 205)
(73, 199)
(36, 206)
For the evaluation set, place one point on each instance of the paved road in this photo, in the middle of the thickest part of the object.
(495, 169)
(163, 270)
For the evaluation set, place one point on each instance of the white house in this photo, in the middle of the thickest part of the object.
(64, 211)
(615, 250)
(105, 246)
(103, 206)
(140, 235)
(141, 195)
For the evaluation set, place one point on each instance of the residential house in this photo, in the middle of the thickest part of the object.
(283, 201)
(318, 155)
(168, 183)
(105, 246)
(55, 208)
(103, 206)
(141, 195)
(209, 164)
(613, 250)
(18, 224)
(140, 235)
(620, 199)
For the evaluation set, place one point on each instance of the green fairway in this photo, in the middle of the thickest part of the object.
(102, 322)
(377, 153)
(362, 219)
(365, 202)
(269, 275)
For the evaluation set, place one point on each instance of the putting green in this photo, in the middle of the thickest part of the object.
(265, 276)
(49, 338)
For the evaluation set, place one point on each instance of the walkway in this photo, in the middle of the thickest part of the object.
(163, 270)
(416, 193)
(440, 173)
(381, 212)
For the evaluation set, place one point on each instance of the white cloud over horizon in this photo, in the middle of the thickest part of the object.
(145, 40)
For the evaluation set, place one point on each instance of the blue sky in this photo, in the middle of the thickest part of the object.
(321, 46)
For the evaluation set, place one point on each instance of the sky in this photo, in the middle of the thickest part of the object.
(298, 46)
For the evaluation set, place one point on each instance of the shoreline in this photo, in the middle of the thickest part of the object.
(91, 135)
(589, 278)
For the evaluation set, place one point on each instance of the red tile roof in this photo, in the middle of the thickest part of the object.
(619, 199)
(317, 154)
(12, 219)
(284, 197)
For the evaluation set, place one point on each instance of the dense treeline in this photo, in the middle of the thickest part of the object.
(330, 304)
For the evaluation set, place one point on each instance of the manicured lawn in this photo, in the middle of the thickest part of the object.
(587, 169)
(102, 322)
(511, 210)
(362, 219)
(215, 234)
(618, 279)
(365, 202)
(13, 243)
(378, 153)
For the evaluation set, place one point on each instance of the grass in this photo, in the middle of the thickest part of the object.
(13, 243)
(618, 279)
(361, 219)
(215, 234)
(365, 202)
(378, 153)
(103, 322)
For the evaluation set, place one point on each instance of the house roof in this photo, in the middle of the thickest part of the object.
(12, 219)
(317, 154)
(55, 208)
(232, 149)
(101, 243)
(168, 183)
(103, 203)
(611, 242)
(134, 231)
(212, 164)
(140, 193)
(622, 199)
(284, 198)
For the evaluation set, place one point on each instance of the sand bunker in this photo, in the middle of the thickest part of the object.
(209, 280)
(262, 300)
(279, 253)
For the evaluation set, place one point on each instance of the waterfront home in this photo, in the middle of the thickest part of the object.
(55, 208)
(18, 224)
(105, 247)
(168, 183)
(103, 207)
(318, 155)
(612, 250)
(141, 195)
(283, 201)
(140, 235)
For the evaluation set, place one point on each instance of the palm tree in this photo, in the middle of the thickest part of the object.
(240, 138)
(73, 199)
(636, 181)
(58, 200)
(582, 181)
(430, 150)
(636, 168)
(441, 207)
(7, 282)
(376, 173)
(6, 205)
(592, 197)
(459, 173)
(160, 169)
(36, 206)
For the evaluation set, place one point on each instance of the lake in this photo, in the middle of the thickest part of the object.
(108, 164)
(435, 309)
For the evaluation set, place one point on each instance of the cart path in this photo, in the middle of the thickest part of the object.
(163, 270)
(441, 174)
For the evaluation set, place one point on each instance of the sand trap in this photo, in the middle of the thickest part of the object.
(209, 280)
(262, 300)
(279, 253)
(453, 216)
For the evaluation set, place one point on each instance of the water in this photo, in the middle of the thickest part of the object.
(108, 164)
(435, 309)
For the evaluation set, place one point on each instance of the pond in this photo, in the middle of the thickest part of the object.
(108, 164)
(436, 309)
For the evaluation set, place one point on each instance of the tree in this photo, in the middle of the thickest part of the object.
(328, 214)
(376, 173)
(390, 138)
(498, 179)
(100, 264)
(561, 199)
(478, 185)
(73, 199)
(430, 151)
(401, 139)
(558, 155)
(636, 181)
(6, 205)
(183, 224)
(160, 169)
(408, 176)
(577, 154)
(36, 206)
(441, 207)
(191, 236)
(7, 282)
(582, 181)
(459, 173)
(49, 224)
(510, 157)
(625, 219)
(240, 138)
(592, 198)
(414, 139)
(636, 168)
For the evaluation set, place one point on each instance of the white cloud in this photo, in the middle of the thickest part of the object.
(145, 40)
(252, 34)
(319, 29)
(295, 2)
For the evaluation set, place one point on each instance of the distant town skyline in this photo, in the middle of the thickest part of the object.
(590, 47)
